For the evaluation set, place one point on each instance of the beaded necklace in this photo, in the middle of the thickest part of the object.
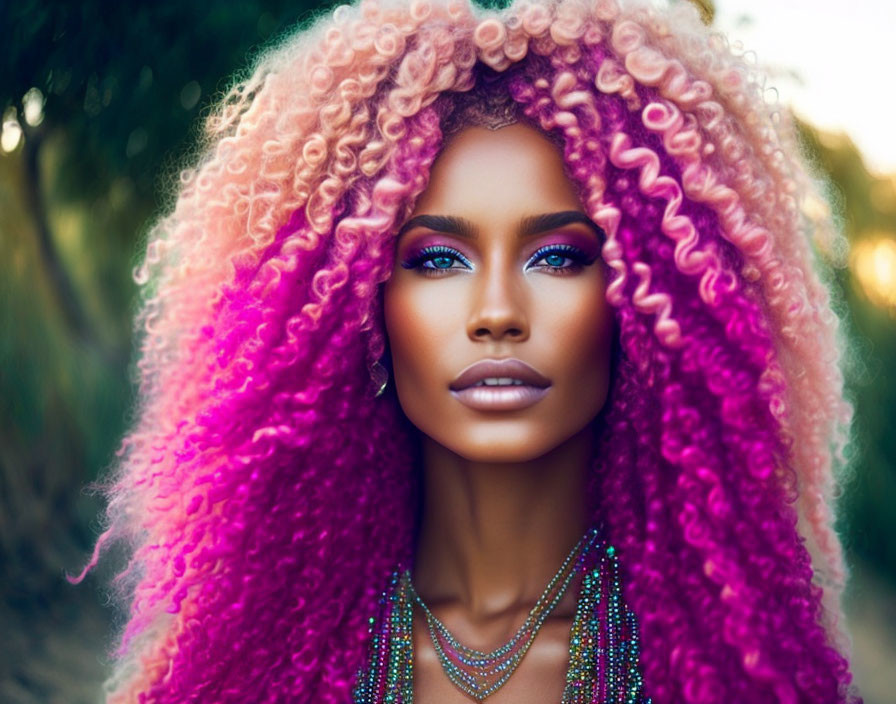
(479, 674)
(603, 642)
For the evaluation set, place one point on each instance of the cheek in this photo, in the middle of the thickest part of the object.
(415, 325)
(582, 331)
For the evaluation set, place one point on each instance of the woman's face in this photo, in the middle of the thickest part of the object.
(499, 262)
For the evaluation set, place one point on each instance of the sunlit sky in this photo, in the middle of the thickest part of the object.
(834, 63)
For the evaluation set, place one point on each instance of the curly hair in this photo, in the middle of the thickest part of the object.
(265, 496)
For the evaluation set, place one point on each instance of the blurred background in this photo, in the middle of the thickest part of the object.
(101, 104)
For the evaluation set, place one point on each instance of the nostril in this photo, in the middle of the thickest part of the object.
(512, 332)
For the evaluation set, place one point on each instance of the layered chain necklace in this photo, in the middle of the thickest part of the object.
(603, 642)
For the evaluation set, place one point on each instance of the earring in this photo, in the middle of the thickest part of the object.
(380, 378)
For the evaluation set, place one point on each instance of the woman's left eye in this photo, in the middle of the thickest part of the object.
(561, 257)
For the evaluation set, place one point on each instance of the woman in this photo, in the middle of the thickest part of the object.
(321, 505)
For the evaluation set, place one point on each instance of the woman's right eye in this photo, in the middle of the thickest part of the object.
(435, 259)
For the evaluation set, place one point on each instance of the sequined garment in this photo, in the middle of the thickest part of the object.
(603, 643)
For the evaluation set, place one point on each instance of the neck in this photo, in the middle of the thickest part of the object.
(493, 534)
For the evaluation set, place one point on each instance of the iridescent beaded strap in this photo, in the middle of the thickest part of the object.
(603, 662)
(389, 678)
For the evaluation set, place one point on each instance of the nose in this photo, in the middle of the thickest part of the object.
(499, 307)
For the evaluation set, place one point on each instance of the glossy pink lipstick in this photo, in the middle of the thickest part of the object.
(499, 385)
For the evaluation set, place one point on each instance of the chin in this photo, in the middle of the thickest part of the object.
(500, 455)
(500, 446)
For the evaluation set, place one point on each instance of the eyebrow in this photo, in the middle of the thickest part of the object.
(531, 225)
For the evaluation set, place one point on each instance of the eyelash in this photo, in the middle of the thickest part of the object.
(427, 254)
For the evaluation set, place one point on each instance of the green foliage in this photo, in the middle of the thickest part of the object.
(128, 81)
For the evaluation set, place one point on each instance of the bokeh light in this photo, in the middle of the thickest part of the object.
(873, 262)
(11, 134)
(33, 107)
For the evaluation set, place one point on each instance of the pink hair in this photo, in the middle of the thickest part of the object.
(265, 496)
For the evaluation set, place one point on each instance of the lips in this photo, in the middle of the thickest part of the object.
(499, 385)
(499, 369)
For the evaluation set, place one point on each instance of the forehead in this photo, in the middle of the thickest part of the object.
(514, 171)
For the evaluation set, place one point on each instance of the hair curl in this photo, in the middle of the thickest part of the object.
(265, 496)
